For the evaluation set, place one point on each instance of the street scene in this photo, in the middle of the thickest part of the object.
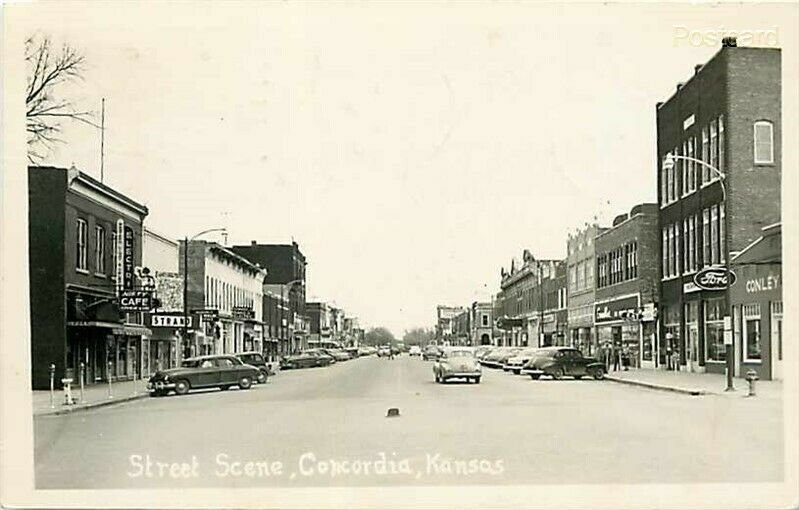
(327, 426)
(328, 245)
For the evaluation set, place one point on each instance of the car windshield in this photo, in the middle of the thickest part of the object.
(190, 363)
(251, 358)
(463, 353)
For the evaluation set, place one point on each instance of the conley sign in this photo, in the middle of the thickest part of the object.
(713, 278)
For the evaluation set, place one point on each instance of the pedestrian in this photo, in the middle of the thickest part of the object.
(626, 358)
(616, 358)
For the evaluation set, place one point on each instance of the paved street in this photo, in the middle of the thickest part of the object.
(508, 429)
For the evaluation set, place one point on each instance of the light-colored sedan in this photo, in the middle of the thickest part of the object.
(415, 351)
(457, 363)
(516, 362)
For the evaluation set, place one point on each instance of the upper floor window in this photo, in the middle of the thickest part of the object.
(705, 154)
(81, 258)
(99, 249)
(485, 320)
(764, 142)
(114, 259)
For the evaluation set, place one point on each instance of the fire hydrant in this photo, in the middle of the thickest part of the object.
(751, 377)
(68, 401)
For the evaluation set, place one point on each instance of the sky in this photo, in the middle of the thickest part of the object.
(410, 149)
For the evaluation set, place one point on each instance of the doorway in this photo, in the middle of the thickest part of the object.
(693, 348)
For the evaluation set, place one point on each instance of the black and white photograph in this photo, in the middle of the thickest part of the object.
(398, 254)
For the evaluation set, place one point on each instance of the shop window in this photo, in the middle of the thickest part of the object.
(714, 330)
(99, 250)
(751, 331)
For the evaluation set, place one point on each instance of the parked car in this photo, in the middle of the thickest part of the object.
(482, 350)
(497, 357)
(415, 351)
(517, 361)
(306, 359)
(257, 360)
(336, 354)
(203, 372)
(558, 362)
(457, 363)
(395, 350)
(365, 351)
(431, 352)
(383, 352)
(354, 352)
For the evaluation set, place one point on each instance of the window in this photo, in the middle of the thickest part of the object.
(764, 142)
(714, 330)
(751, 330)
(573, 278)
(485, 320)
(664, 189)
(634, 259)
(706, 237)
(589, 274)
(686, 165)
(722, 233)
(714, 146)
(665, 252)
(714, 234)
(99, 250)
(692, 243)
(686, 252)
(80, 255)
(722, 156)
(705, 155)
(670, 270)
(691, 165)
(677, 251)
(114, 258)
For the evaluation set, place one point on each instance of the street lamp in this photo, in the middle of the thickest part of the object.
(186, 284)
(668, 164)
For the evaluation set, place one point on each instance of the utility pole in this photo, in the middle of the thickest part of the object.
(102, 140)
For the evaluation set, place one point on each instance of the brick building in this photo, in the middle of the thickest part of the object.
(627, 286)
(85, 241)
(581, 285)
(444, 315)
(320, 324)
(160, 255)
(461, 328)
(555, 319)
(728, 115)
(481, 323)
(519, 306)
(286, 286)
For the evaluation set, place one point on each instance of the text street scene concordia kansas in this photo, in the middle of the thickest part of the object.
(390, 264)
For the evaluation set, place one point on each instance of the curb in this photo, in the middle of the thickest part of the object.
(90, 405)
(654, 386)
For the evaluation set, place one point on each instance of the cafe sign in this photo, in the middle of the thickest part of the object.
(135, 300)
(713, 278)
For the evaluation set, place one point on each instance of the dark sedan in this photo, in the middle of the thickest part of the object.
(307, 359)
(203, 372)
(431, 352)
(558, 362)
(257, 360)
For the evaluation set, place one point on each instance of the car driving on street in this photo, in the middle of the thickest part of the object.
(558, 362)
(431, 352)
(415, 351)
(457, 363)
(203, 372)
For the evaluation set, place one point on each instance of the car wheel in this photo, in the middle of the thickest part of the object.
(535, 377)
(477, 380)
(261, 378)
(182, 387)
(517, 372)
(245, 383)
(224, 387)
(558, 374)
(598, 374)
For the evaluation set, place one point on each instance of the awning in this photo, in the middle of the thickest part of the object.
(132, 330)
(94, 324)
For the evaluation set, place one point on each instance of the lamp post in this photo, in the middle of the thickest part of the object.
(186, 285)
(668, 164)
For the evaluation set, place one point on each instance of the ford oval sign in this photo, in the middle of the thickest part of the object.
(713, 278)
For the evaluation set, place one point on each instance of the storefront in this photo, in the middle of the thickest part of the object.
(756, 299)
(619, 330)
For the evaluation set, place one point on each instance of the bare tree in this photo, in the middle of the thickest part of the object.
(47, 69)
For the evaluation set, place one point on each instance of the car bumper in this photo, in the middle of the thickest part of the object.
(455, 375)
(508, 366)
(160, 386)
(532, 371)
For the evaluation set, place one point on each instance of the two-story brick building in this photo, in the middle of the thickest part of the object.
(85, 241)
(728, 117)
(627, 286)
(581, 287)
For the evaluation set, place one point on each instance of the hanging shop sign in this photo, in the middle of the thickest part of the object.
(128, 262)
(135, 300)
(713, 278)
(243, 313)
(169, 321)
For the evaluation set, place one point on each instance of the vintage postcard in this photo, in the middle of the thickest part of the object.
(399, 254)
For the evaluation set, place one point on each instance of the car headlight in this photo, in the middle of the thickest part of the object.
(166, 378)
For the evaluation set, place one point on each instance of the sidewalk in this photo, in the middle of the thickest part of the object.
(95, 395)
(693, 383)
